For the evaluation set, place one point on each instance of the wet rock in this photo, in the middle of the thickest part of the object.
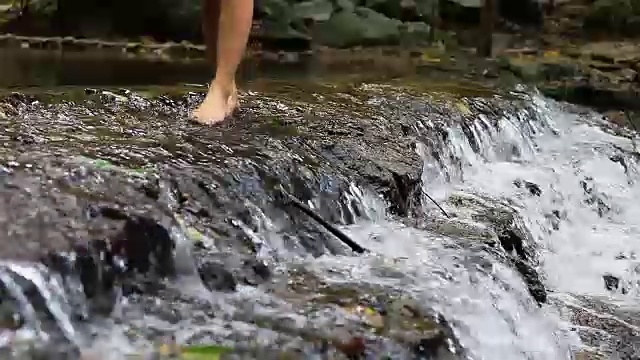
(515, 246)
(595, 198)
(611, 282)
(620, 159)
(98, 271)
(533, 281)
(555, 217)
(216, 278)
(146, 245)
(604, 77)
(429, 336)
(143, 192)
(61, 207)
(429, 348)
(534, 189)
(417, 331)
(256, 272)
(511, 242)
(600, 326)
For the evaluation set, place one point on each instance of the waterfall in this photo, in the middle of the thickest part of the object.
(538, 258)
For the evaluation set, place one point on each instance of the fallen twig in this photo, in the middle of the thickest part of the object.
(331, 228)
(436, 203)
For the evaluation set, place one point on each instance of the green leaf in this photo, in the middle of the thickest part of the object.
(202, 352)
(102, 164)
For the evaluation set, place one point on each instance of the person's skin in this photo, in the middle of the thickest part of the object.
(226, 25)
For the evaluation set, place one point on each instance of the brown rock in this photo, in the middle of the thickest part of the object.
(353, 347)
(617, 117)
(629, 75)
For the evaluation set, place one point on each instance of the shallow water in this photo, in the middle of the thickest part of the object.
(46, 68)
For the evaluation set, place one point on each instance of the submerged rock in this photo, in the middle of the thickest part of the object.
(508, 231)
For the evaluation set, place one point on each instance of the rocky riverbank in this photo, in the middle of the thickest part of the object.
(604, 75)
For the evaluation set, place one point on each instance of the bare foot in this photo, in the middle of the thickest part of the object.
(215, 106)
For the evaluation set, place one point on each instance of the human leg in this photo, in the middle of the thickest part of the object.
(229, 23)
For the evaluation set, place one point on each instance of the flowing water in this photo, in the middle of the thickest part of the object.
(569, 182)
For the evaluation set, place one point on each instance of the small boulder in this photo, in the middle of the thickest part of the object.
(405, 10)
(316, 10)
(361, 27)
(415, 33)
(611, 283)
(215, 277)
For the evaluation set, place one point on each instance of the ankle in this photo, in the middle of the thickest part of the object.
(223, 82)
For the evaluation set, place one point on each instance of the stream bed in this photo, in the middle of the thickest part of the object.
(128, 229)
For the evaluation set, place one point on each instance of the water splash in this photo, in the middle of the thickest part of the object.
(586, 219)
(486, 302)
(43, 304)
(588, 177)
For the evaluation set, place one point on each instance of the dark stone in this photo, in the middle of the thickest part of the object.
(403, 193)
(611, 282)
(430, 347)
(594, 197)
(405, 10)
(620, 160)
(532, 279)
(216, 278)
(523, 12)
(511, 241)
(144, 242)
(600, 95)
(256, 272)
(534, 189)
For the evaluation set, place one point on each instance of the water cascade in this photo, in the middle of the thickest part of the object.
(536, 259)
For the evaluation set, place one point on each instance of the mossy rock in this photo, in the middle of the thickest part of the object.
(363, 26)
(316, 10)
(531, 68)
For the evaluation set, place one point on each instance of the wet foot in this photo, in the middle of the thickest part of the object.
(217, 105)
